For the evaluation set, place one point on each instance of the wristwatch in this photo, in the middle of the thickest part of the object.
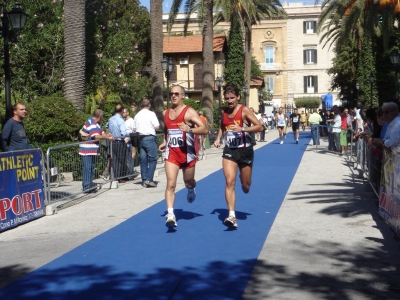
(242, 129)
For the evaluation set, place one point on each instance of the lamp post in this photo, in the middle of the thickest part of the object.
(17, 17)
(218, 82)
(394, 58)
(260, 103)
(358, 88)
(168, 67)
(371, 80)
(245, 90)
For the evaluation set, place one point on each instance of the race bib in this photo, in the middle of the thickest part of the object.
(295, 119)
(175, 138)
(234, 139)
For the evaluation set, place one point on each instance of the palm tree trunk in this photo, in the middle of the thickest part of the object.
(208, 62)
(156, 57)
(247, 62)
(74, 59)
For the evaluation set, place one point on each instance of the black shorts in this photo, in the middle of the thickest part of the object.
(281, 127)
(241, 156)
(295, 127)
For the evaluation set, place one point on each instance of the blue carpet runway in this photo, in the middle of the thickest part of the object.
(201, 259)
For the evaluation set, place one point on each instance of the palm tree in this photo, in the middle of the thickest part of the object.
(74, 59)
(204, 8)
(156, 56)
(248, 13)
(342, 20)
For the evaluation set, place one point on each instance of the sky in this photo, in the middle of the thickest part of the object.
(167, 3)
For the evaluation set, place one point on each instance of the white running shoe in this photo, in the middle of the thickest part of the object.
(170, 221)
(191, 195)
(281, 142)
(230, 222)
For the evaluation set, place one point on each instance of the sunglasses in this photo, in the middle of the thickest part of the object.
(176, 94)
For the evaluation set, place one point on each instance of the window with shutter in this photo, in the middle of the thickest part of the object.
(310, 84)
(309, 27)
(310, 56)
(269, 54)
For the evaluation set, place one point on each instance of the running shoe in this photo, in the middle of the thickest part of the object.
(281, 142)
(297, 142)
(230, 222)
(151, 184)
(170, 221)
(191, 195)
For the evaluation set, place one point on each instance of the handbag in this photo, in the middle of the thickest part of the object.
(82, 135)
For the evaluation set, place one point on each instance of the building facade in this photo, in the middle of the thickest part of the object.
(292, 58)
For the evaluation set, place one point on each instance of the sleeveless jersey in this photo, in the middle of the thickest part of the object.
(281, 120)
(236, 139)
(180, 145)
(303, 118)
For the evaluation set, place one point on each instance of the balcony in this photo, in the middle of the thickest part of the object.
(270, 66)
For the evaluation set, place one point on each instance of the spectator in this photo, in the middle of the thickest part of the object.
(329, 124)
(264, 121)
(116, 126)
(344, 124)
(131, 147)
(272, 116)
(314, 121)
(336, 130)
(203, 137)
(89, 150)
(13, 135)
(146, 123)
(391, 141)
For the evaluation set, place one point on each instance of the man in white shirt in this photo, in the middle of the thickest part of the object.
(146, 123)
(131, 149)
(391, 141)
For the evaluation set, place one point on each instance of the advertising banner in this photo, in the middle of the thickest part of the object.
(389, 195)
(21, 188)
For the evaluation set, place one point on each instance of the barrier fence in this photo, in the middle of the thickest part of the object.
(379, 166)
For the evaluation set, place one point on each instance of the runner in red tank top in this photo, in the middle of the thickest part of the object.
(237, 122)
(181, 124)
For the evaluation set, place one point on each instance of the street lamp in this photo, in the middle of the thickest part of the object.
(261, 106)
(168, 67)
(245, 90)
(17, 17)
(358, 88)
(371, 80)
(394, 58)
(218, 82)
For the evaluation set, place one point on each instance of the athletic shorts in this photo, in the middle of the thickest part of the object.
(295, 127)
(343, 138)
(185, 165)
(241, 156)
(281, 127)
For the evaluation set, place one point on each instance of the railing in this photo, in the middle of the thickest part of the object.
(379, 166)
(270, 66)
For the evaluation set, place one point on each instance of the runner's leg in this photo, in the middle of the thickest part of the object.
(188, 177)
(230, 170)
(245, 177)
(171, 170)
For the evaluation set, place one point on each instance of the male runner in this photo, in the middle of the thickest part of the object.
(303, 120)
(237, 122)
(181, 123)
(295, 121)
(280, 121)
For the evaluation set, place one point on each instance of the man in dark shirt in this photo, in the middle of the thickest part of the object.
(13, 135)
(295, 121)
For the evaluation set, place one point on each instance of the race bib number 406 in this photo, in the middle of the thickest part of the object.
(175, 138)
(234, 139)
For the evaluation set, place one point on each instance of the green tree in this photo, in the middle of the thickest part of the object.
(307, 102)
(255, 68)
(234, 65)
